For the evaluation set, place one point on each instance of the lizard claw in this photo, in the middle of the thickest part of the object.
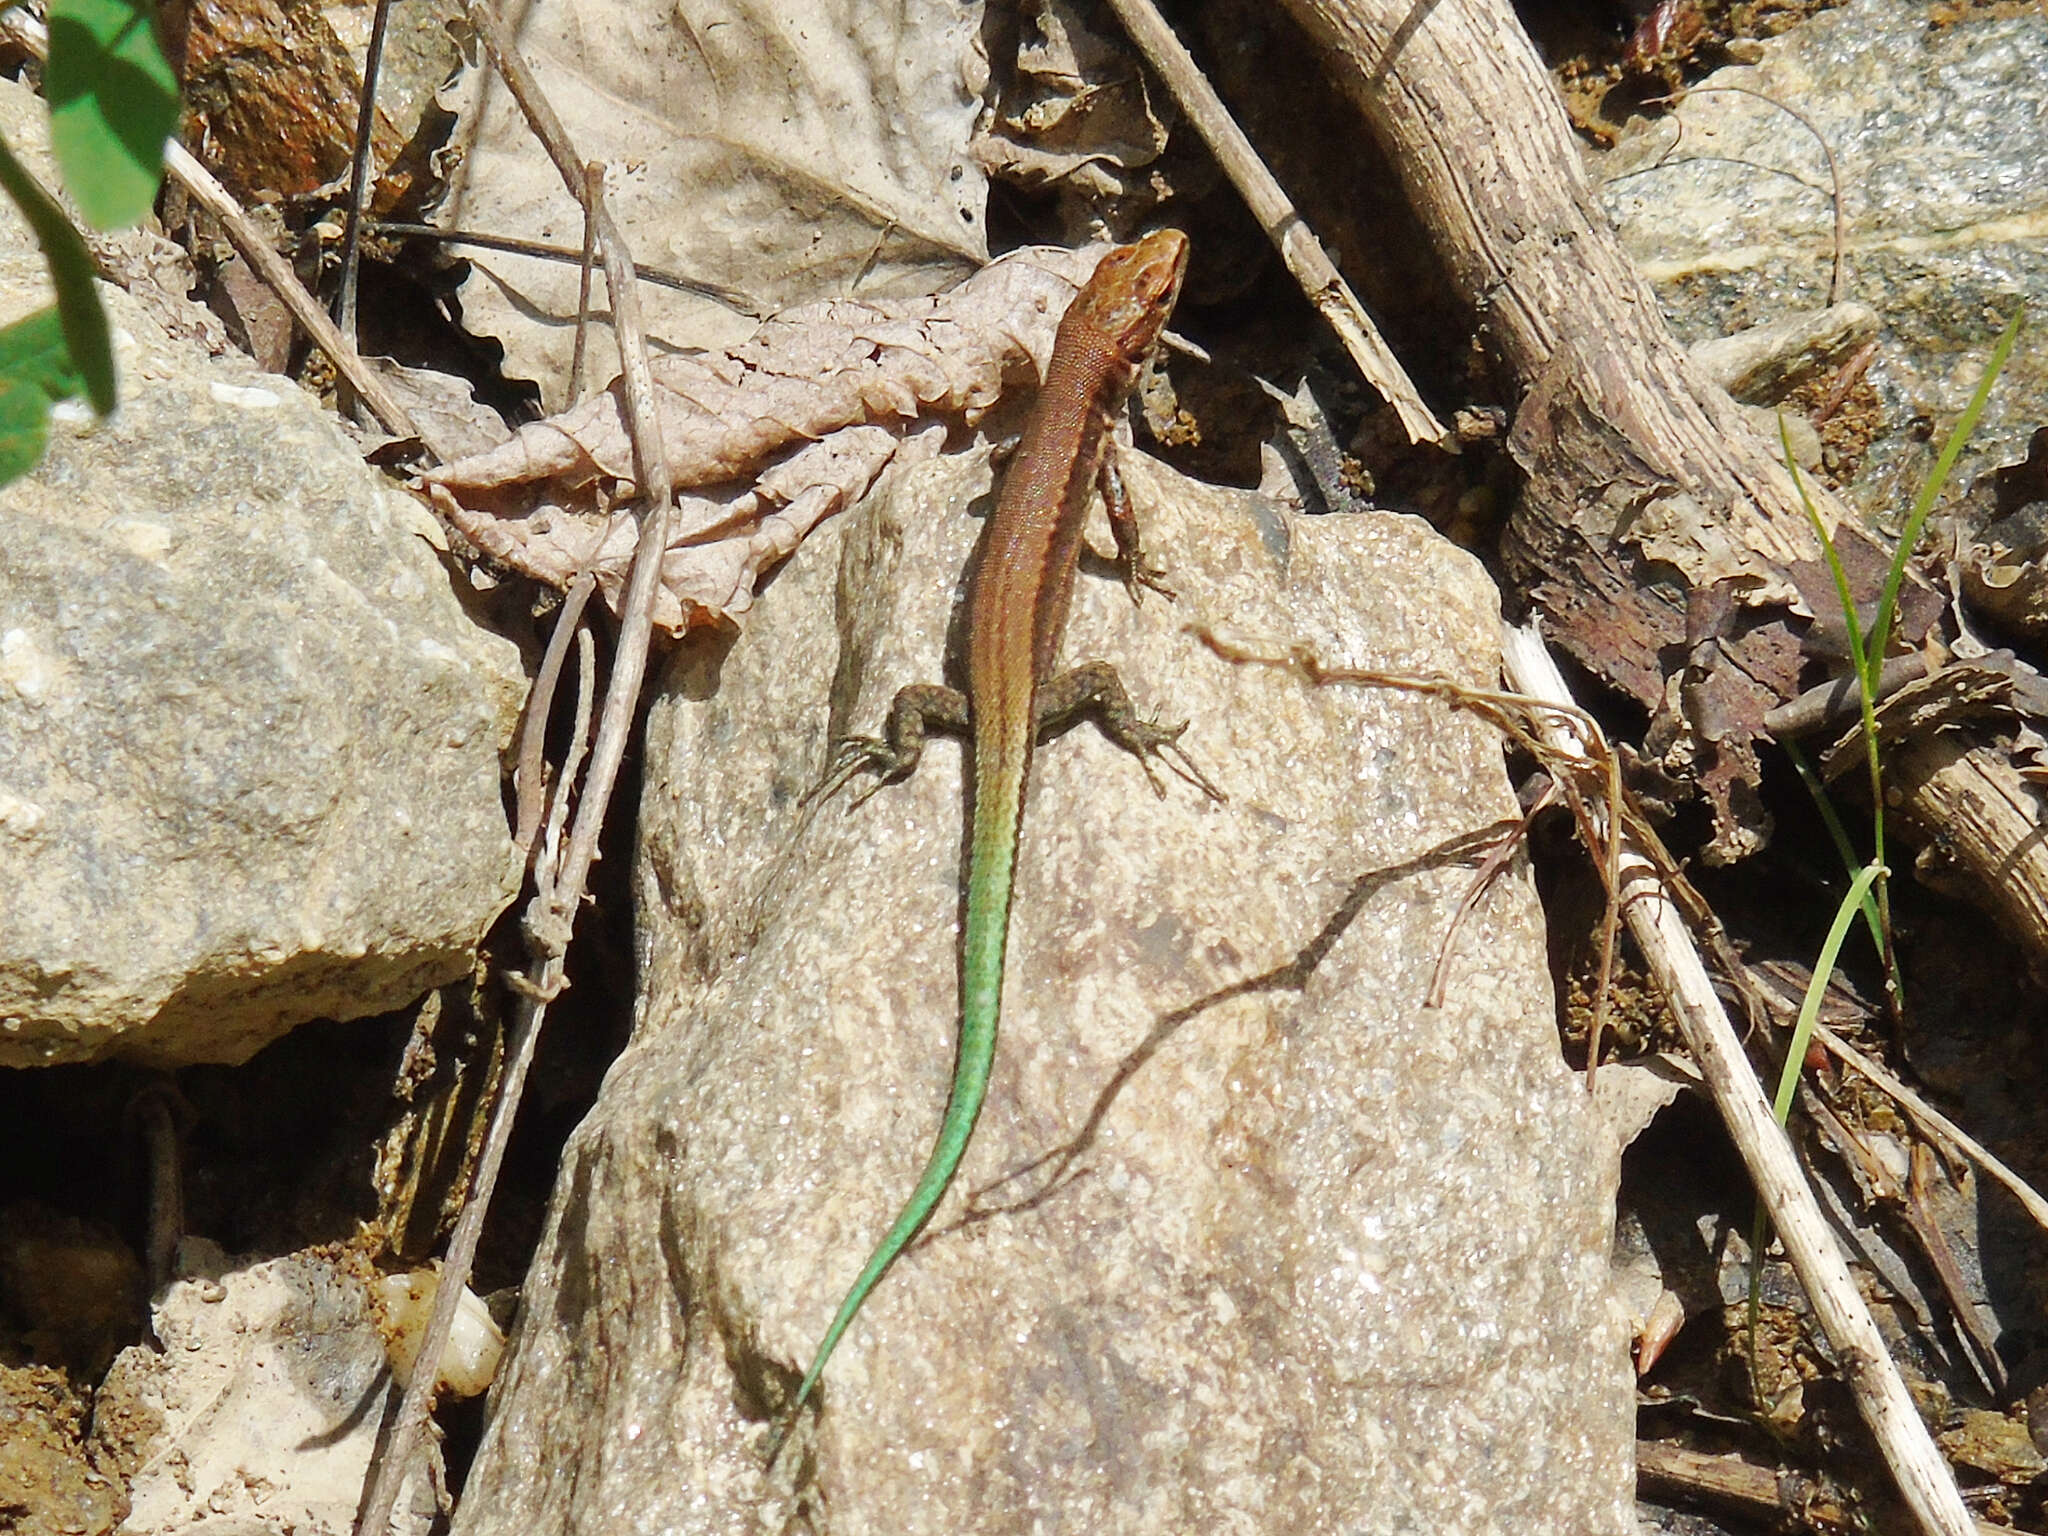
(1138, 577)
(850, 754)
(1148, 739)
(856, 755)
(1187, 768)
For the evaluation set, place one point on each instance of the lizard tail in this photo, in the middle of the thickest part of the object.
(992, 857)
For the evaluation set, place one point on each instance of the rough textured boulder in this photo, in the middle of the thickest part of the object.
(1250, 1238)
(1936, 132)
(249, 739)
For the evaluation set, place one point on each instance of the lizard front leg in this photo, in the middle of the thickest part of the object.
(1094, 688)
(1123, 526)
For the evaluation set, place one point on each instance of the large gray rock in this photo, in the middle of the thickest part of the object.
(249, 739)
(1936, 129)
(1324, 1258)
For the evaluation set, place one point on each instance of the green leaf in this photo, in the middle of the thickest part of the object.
(36, 371)
(85, 323)
(113, 101)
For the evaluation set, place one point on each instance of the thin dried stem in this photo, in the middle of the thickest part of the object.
(1304, 255)
(550, 917)
(1525, 723)
(1934, 1123)
(277, 272)
(593, 188)
(1489, 870)
(264, 260)
(739, 303)
(359, 174)
(399, 1436)
(1845, 380)
(540, 704)
(1922, 1475)
(1834, 175)
(579, 747)
(1841, 242)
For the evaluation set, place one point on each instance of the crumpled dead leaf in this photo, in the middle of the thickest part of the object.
(785, 428)
(784, 149)
(1075, 112)
(2005, 564)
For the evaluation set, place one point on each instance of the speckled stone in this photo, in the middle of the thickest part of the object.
(250, 741)
(1937, 133)
(1250, 1239)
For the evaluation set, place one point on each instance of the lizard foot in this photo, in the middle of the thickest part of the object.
(1147, 740)
(1137, 578)
(855, 755)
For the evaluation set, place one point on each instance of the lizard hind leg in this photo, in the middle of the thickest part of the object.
(1094, 688)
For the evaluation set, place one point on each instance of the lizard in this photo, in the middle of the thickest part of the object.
(1017, 602)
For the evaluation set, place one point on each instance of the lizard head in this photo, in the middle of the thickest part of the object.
(1131, 295)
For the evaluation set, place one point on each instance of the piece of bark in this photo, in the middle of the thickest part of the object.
(1762, 364)
(1658, 535)
(1646, 486)
(1996, 686)
(1974, 816)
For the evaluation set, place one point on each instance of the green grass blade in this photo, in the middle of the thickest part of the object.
(113, 102)
(1930, 491)
(1843, 593)
(1816, 988)
(36, 369)
(1867, 656)
(71, 270)
(1838, 833)
(1788, 1080)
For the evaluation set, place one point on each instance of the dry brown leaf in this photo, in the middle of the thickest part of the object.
(783, 149)
(786, 428)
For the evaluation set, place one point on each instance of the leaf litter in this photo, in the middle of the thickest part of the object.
(764, 439)
(787, 150)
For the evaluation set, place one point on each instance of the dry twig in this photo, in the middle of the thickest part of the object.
(739, 303)
(1304, 255)
(1665, 1471)
(1524, 723)
(1935, 1124)
(550, 917)
(1841, 240)
(540, 704)
(209, 194)
(359, 173)
(1570, 739)
(1922, 1475)
(593, 189)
